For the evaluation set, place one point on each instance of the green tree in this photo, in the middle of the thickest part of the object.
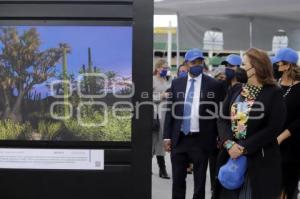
(22, 65)
(111, 75)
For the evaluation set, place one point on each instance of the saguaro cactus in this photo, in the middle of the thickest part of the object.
(66, 50)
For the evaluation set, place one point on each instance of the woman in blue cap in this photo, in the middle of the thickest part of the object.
(289, 139)
(233, 72)
(276, 73)
(251, 119)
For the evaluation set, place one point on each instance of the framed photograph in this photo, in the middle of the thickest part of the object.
(65, 82)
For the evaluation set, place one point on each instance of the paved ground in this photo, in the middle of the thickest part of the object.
(161, 188)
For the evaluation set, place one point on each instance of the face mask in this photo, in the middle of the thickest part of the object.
(229, 73)
(247, 73)
(276, 72)
(163, 73)
(196, 70)
(241, 75)
(182, 74)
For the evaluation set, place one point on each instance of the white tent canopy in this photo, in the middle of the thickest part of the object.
(244, 23)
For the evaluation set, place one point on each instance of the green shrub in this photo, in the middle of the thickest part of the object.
(116, 129)
(10, 130)
(48, 129)
(83, 132)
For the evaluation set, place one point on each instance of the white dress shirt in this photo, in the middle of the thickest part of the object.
(196, 102)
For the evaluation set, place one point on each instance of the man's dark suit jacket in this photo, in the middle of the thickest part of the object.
(212, 93)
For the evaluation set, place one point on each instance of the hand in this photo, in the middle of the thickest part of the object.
(164, 95)
(236, 151)
(283, 136)
(167, 145)
(279, 140)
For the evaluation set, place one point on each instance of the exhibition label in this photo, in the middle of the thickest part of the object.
(65, 159)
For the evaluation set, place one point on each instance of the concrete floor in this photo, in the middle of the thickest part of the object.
(162, 188)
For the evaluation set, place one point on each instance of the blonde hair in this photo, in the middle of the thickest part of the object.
(159, 64)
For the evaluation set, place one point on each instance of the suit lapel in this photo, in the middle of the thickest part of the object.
(204, 88)
(182, 88)
(203, 93)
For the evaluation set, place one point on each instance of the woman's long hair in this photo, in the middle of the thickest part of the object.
(294, 72)
(260, 60)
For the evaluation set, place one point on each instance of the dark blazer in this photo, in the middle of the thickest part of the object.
(211, 91)
(263, 153)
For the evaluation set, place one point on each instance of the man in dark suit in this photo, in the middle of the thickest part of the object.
(190, 129)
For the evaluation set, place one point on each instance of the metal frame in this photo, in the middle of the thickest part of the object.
(127, 171)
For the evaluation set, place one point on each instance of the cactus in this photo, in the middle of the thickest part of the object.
(90, 60)
(92, 79)
(85, 79)
(65, 78)
(89, 83)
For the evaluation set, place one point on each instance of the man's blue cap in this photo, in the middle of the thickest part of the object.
(232, 174)
(287, 54)
(234, 60)
(193, 54)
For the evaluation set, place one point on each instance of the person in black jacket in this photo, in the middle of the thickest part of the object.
(190, 125)
(234, 74)
(252, 117)
(289, 139)
(233, 70)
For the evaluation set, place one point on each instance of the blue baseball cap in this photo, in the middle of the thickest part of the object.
(233, 59)
(193, 54)
(287, 54)
(232, 174)
(274, 60)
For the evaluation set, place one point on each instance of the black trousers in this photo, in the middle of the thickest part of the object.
(291, 173)
(212, 168)
(188, 151)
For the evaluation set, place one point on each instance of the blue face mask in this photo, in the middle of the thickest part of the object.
(163, 73)
(230, 73)
(182, 74)
(196, 70)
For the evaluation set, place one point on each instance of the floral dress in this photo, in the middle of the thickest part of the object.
(240, 110)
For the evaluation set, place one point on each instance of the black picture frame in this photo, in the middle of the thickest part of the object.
(127, 172)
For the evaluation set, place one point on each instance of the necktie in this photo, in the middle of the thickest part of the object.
(187, 110)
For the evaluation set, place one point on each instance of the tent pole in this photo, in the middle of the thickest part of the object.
(251, 32)
(177, 41)
(169, 53)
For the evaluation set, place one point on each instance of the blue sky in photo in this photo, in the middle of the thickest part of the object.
(111, 46)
